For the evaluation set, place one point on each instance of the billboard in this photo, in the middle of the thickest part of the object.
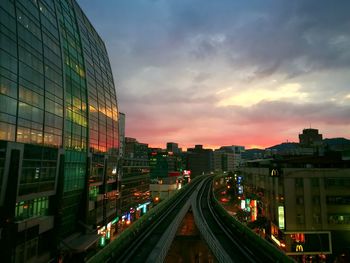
(308, 243)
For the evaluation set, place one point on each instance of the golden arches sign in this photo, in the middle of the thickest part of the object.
(274, 173)
(299, 248)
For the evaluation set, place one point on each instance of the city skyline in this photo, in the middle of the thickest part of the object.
(223, 73)
(82, 178)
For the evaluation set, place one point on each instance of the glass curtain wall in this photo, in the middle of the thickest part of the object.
(57, 95)
(103, 121)
(75, 125)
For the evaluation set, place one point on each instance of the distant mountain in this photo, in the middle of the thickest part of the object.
(336, 141)
(332, 143)
(254, 150)
(284, 146)
(254, 153)
(339, 144)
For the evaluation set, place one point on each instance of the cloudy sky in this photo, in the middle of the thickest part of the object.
(252, 73)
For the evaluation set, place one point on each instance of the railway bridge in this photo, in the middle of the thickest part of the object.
(191, 226)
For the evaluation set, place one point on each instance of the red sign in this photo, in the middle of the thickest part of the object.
(174, 174)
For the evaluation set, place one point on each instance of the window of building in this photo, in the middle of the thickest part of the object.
(299, 182)
(338, 219)
(32, 208)
(8, 105)
(93, 192)
(38, 169)
(316, 218)
(338, 200)
(8, 87)
(300, 200)
(7, 131)
(7, 61)
(315, 182)
(337, 182)
(300, 219)
(316, 200)
(7, 18)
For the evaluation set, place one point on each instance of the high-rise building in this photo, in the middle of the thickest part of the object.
(234, 150)
(135, 179)
(164, 164)
(199, 160)
(306, 201)
(172, 147)
(224, 161)
(58, 131)
(310, 137)
(135, 149)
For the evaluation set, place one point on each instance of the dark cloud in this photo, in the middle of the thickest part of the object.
(294, 30)
(170, 96)
(195, 48)
(289, 37)
(270, 35)
(288, 112)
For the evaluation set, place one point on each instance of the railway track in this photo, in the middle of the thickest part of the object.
(144, 241)
(227, 242)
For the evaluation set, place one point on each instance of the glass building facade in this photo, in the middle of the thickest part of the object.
(58, 128)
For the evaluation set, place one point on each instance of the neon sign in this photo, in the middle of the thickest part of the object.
(281, 223)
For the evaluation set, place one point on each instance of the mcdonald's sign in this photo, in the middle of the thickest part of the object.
(308, 242)
(275, 172)
(299, 248)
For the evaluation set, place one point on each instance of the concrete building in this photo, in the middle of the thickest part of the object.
(164, 190)
(173, 147)
(224, 161)
(166, 172)
(230, 162)
(310, 137)
(217, 160)
(135, 179)
(58, 132)
(164, 164)
(135, 149)
(306, 200)
(199, 160)
(235, 153)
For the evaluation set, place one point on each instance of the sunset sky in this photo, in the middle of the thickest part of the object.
(224, 72)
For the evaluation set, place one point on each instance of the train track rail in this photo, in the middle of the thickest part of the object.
(144, 241)
(226, 241)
